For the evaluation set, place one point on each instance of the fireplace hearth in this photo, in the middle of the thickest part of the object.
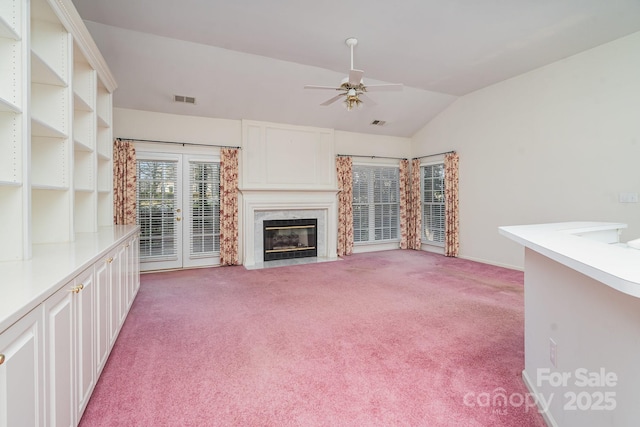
(290, 238)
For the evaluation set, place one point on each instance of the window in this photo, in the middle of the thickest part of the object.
(156, 198)
(376, 204)
(433, 219)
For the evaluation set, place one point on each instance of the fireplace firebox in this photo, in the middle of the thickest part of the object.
(290, 238)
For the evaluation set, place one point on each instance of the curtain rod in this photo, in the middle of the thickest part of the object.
(372, 157)
(178, 143)
(433, 155)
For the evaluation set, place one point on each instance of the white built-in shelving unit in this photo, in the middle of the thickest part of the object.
(55, 127)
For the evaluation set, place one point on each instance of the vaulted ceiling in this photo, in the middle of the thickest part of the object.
(247, 59)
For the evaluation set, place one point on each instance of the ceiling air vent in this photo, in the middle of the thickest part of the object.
(185, 99)
(378, 122)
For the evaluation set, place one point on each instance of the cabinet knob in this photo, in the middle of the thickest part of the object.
(109, 260)
(1, 359)
(77, 289)
(178, 218)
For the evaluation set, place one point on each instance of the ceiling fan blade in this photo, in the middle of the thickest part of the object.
(332, 100)
(385, 87)
(367, 100)
(322, 87)
(355, 77)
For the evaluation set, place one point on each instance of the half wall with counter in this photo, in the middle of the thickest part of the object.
(582, 322)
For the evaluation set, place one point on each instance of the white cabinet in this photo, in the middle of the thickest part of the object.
(103, 310)
(22, 372)
(51, 357)
(85, 329)
(70, 344)
(59, 329)
(55, 127)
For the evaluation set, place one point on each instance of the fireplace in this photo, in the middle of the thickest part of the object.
(290, 238)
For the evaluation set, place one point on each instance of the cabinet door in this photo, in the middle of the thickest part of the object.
(103, 310)
(115, 315)
(85, 328)
(122, 267)
(135, 245)
(59, 352)
(21, 372)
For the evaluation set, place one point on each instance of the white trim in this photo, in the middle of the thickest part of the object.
(548, 418)
(70, 18)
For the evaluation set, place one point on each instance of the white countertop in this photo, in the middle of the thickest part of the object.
(615, 265)
(25, 284)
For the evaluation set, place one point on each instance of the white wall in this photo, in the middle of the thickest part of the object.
(372, 145)
(139, 124)
(594, 327)
(556, 144)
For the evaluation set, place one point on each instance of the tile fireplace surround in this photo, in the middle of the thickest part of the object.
(260, 205)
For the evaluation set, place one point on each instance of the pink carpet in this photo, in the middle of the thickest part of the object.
(395, 338)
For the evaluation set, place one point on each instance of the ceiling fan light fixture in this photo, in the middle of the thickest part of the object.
(352, 102)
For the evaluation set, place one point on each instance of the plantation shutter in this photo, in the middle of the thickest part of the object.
(433, 212)
(376, 203)
(204, 203)
(386, 203)
(361, 178)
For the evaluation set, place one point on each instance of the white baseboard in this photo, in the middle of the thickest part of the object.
(548, 418)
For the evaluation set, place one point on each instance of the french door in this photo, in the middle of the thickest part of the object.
(178, 210)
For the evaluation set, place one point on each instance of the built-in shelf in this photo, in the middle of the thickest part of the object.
(102, 122)
(9, 107)
(84, 210)
(84, 171)
(41, 72)
(6, 31)
(50, 107)
(84, 130)
(12, 221)
(49, 187)
(50, 163)
(55, 154)
(10, 75)
(51, 215)
(10, 148)
(40, 128)
(105, 208)
(10, 17)
(80, 104)
(84, 83)
(105, 182)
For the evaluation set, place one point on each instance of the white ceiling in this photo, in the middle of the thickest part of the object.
(251, 59)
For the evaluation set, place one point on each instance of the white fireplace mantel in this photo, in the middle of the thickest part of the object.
(258, 203)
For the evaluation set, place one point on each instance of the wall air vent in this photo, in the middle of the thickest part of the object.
(378, 122)
(184, 99)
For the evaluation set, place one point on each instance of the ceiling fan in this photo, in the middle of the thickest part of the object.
(352, 88)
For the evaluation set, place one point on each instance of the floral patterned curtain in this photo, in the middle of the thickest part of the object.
(451, 244)
(229, 206)
(405, 197)
(124, 182)
(345, 205)
(414, 223)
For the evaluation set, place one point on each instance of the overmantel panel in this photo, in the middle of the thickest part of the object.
(279, 156)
